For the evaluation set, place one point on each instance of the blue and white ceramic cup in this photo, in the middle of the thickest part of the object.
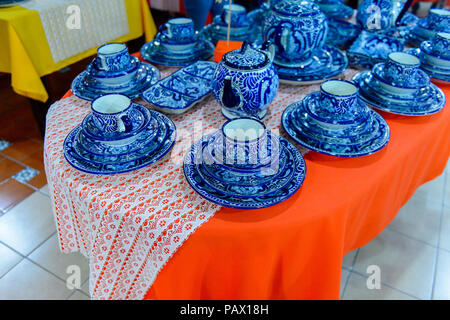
(400, 69)
(113, 57)
(338, 102)
(439, 20)
(235, 12)
(246, 146)
(113, 113)
(179, 30)
(441, 45)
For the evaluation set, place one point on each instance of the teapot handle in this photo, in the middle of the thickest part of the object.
(268, 47)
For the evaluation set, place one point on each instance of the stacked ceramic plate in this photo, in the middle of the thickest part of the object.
(118, 136)
(114, 71)
(177, 44)
(335, 121)
(399, 86)
(434, 56)
(438, 20)
(245, 166)
(240, 27)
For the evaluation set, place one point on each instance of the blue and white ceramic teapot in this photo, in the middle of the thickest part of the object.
(246, 82)
(296, 28)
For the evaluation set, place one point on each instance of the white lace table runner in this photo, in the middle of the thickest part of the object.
(129, 225)
(100, 21)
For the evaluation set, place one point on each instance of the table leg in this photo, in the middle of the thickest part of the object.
(40, 109)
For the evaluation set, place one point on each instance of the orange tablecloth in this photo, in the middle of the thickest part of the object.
(294, 250)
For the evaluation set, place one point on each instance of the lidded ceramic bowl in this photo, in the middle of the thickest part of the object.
(297, 28)
(246, 82)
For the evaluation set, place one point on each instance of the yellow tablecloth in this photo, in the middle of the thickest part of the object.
(25, 53)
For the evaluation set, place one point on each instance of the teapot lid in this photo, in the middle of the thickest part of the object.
(245, 58)
(296, 8)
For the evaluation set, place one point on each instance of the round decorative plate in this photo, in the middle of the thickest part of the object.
(325, 63)
(430, 99)
(84, 164)
(373, 139)
(279, 193)
(157, 54)
(146, 76)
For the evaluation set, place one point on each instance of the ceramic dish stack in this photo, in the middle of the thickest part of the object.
(177, 44)
(301, 54)
(114, 71)
(399, 86)
(434, 56)
(438, 20)
(335, 121)
(118, 136)
(245, 166)
(240, 27)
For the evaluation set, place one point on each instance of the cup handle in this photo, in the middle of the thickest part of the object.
(164, 27)
(124, 124)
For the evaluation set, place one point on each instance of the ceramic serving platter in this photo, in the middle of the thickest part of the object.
(183, 89)
(261, 195)
(156, 53)
(86, 87)
(90, 156)
(368, 138)
(326, 62)
(427, 101)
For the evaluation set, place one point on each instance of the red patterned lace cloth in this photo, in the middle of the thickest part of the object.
(129, 225)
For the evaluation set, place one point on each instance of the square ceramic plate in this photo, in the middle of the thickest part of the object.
(183, 89)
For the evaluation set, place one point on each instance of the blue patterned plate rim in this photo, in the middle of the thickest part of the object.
(377, 72)
(101, 74)
(82, 91)
(209, 179)
(426, 48)
(85, 166)
(154, 125)
(406, 109)
(314, 97)
(383, 137)
(337, 66)
(146, 148)
(245, 203)
(204, 54)
(86, 124)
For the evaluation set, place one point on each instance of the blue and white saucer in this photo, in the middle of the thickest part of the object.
(341, 32)
(95, 157)
(325, 63)
(421, 32)
(156, 53)
(437, 71)
(234, 195)
(364, 138)
(427, 100)
(183, 89)
(86, 87)
(140, 119)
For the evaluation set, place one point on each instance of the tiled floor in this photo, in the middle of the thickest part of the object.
(413, 253)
